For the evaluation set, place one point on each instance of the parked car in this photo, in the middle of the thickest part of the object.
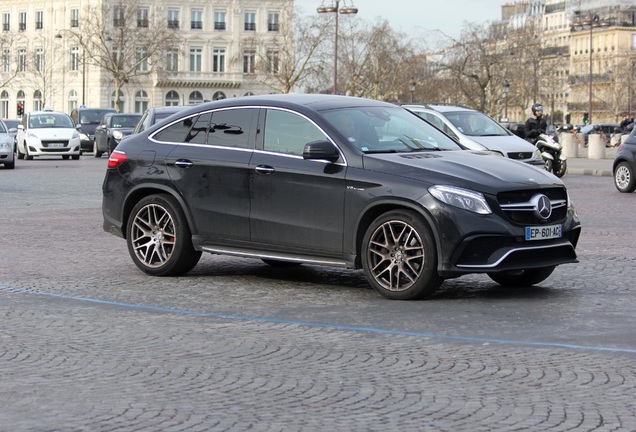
(111, 130)
(624, 166)
(476, 131)
(7, 147)
(12, 126)
(86, 120)
(47, 133)
(155, 114)
(607, 128)
(333, 180)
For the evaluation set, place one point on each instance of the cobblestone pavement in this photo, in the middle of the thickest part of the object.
(89, 343)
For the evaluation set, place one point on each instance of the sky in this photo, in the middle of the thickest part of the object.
(419, 16)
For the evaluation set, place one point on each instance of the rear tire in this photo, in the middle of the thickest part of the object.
(526, 277)
(399, 257)
(159, 238)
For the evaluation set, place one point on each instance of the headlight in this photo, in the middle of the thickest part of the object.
(84, 137)
(4, 145)
(461, 198)
(537, 154)
(76, 135)
(117, 135)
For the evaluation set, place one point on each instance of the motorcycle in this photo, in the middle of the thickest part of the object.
(552, 152)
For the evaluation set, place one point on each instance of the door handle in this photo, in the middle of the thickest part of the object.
(264, 169)
(182, 163)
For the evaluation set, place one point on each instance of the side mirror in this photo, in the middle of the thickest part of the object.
(321, 150)
(13, 130)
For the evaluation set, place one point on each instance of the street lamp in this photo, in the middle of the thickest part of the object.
(592, 21)
(345, 11)
(506, 89)
(412, 84)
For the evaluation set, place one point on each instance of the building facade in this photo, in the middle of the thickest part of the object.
(49, 52)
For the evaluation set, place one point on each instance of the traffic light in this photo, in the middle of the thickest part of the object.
(20, 108)
(586, 118)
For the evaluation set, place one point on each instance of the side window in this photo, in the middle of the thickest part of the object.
(232, 128)
(288, 133)
(178, 132)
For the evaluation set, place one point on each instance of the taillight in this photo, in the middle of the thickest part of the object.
(116, 158)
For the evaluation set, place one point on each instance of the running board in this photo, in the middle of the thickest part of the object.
(305, 259)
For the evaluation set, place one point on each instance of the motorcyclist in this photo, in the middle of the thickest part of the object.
(536, 125)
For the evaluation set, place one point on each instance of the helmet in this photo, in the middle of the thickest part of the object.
(537, 107)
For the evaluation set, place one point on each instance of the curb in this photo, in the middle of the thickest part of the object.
(587, 171)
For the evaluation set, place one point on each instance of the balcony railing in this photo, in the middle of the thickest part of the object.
(196, 25)
(173, 24)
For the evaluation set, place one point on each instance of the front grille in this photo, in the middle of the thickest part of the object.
(518, 209)
(520, 155)
(54, 146)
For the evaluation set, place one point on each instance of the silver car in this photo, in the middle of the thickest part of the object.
(7, 147)
(476, 131)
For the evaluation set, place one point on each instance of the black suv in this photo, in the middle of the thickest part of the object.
(333, 180)
(86, 121)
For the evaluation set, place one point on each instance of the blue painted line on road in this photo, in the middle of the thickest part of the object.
(321, 325)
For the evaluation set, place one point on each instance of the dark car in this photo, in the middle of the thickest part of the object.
(111, 130)
(605, 129)
(338, 181)
(155, 114)
(86, 120)
(624, 165)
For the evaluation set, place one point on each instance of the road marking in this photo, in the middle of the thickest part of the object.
(319, 325)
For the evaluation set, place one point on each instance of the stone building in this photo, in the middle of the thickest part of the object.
(49, 51)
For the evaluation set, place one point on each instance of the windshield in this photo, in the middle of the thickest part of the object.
(125, 121)
(2, 128)
(50, 120)
(92, 116)
(474, 123)
(384, 130)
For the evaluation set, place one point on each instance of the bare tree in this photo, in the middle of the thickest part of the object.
(9, 68)
(286, 60)
(42, 68)
(377, 62)
(126, 39)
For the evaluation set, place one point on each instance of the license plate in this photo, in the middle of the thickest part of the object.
(543, 233)
(56, 145)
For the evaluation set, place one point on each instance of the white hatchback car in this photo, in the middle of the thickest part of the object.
(476, 131)
(47, 133)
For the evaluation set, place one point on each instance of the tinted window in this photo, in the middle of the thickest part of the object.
(179, 132)
(286, 132)
(227, 128)
(231, 128)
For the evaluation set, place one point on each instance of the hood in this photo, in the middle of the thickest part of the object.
(53, 133)
(480, 171)
(504, 144)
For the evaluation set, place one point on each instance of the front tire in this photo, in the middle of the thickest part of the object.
(18, 152)
(96, 151)
(159, 238)
(624, 178)
(399, 257)
(526, 277)
(560, 168)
